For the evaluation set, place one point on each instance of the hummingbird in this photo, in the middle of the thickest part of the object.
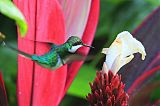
(58, 55)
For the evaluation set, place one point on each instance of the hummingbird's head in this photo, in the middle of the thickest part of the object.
(75, 43)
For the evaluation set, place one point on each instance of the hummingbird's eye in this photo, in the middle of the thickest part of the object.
(79, 43)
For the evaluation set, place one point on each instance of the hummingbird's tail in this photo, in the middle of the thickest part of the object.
(3, 43)
(14, 49)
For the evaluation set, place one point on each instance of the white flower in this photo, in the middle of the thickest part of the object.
(121, 51)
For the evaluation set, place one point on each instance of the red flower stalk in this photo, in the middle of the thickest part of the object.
(107, 90)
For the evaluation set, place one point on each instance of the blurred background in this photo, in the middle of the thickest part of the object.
(115, 16)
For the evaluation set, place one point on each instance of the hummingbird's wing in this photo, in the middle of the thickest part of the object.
(53, 46)
(77, 57)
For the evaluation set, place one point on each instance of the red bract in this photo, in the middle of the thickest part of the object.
(3, 96)
(107, 90)
(51, 21)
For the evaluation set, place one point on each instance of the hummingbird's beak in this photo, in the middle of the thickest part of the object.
(88, 46)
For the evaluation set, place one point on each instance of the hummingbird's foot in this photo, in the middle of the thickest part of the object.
(2, 37)
(3, 43)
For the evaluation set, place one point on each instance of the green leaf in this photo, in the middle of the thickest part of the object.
(80, 86)
(154, 2)
(155, 94)
(10, 10)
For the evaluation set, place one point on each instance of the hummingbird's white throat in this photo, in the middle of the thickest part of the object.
(74, 48)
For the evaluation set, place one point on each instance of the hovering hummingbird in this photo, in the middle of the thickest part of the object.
(58, 55)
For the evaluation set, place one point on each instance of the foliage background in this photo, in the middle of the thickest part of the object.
(115, 16)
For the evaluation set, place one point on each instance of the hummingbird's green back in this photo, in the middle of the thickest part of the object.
(54, 58)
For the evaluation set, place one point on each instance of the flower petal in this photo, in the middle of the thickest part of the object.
(118, 63)
(25, 66)
(130, 45)
(36, 85)
(26, 8)
(76, 14)
(50, 25)
(48, 86)
(121, 51)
